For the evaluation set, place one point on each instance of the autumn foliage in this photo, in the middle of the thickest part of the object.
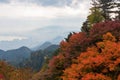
(78, 43)
(100, 62)
(7, 72)
(75, 52)
(83, 56)
(101, 28)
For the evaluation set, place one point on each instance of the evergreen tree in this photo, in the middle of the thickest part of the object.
(94, 17)
(101, 11)
(109, 7)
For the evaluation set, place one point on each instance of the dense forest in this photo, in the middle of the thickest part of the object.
(91, 54)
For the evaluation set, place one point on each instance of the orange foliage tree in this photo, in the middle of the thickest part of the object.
(7, 72)
(100, 62)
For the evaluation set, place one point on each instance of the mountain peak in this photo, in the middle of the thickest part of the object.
(43, 46)
(23, 47)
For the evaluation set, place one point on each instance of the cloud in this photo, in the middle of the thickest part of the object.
(18, 9)
(25, 17)
(11, 38)
(4, 1)
(57, 3)
(22, 17)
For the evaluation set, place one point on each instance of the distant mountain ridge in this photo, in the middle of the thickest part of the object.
(57, 40)
(27, 57)
(43, 46)
(15, 56)
(37, 58)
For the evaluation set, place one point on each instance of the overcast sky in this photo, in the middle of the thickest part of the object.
(19, 18)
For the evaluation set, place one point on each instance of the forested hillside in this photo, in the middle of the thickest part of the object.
(38, 58)
(91, 54)
(15, 56)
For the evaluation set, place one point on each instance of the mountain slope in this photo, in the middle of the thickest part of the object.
(1, 53)
(43, 46)
(38, 58)
(15, 56)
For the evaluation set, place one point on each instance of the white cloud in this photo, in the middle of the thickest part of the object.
(11, 38)
(21, 18)
(20, 10)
